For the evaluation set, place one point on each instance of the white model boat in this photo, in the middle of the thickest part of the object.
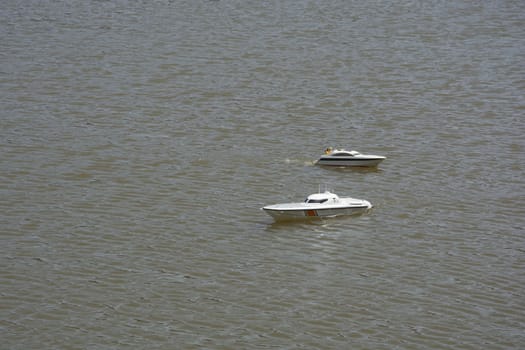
(341, 157)
(325, 204)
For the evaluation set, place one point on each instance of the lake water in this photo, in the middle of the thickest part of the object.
(140, 138)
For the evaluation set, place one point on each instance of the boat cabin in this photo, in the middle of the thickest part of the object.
(343, 153)
(318, 198)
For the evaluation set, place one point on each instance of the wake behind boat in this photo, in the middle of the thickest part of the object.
(325, 204)
(341, 157)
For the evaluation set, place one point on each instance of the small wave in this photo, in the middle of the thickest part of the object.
(300, 161)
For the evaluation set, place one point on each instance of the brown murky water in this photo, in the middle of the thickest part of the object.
(139, 140)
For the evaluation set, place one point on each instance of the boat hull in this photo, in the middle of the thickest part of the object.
(350, 161)
(312, 213)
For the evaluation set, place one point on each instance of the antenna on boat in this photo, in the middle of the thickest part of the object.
(325, 188)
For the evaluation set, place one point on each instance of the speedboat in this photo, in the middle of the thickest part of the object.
(341, 157)
(320, 205)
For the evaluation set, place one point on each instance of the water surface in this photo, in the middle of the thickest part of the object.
(139, 140)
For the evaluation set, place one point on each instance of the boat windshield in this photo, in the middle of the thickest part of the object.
(316, 200)
(342, 154)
